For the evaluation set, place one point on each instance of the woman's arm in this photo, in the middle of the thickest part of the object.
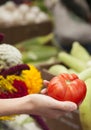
(11, 106)
(36, 104)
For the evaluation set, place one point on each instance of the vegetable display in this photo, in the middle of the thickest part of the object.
(77, 61)
(71, 81)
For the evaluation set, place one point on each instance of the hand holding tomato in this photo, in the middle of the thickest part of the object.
(67, 87)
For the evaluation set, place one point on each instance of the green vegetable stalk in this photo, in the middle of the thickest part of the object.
(71, 61)
(40, 40)
(38, 53)
(84, 75)
(79, 52)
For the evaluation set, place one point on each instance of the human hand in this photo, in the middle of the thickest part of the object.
(36, 104)
(46, 106)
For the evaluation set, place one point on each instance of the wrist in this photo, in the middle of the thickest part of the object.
(15, 106)
(26, 105)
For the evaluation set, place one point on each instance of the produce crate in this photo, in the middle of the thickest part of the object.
(16, 34)
(70, 121)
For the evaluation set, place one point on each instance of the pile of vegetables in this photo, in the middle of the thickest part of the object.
(12, 14)
(76, 61)
(65, 86)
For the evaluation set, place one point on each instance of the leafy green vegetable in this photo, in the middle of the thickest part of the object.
(37, 53)
(41, 40)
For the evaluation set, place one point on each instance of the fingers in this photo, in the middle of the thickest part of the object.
(44, 91)
(65, 106)
(46, 83)
(62, 105)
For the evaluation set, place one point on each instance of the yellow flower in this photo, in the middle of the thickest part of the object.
(32, 79)
(5, 85)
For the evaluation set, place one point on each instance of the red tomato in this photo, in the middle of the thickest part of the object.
(67, 87)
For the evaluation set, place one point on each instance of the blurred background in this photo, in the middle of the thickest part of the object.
(41, 30)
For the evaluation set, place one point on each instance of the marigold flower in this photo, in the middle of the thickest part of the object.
(32, 79)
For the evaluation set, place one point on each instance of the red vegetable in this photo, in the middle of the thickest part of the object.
(67, 87)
